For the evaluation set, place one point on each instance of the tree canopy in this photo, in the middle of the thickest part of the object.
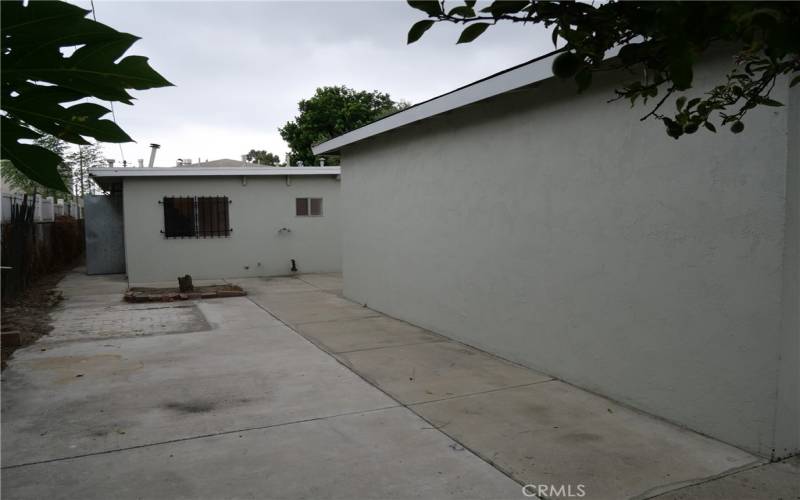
(333, 111)
(659, 44)
(262, 157)
(52, 54)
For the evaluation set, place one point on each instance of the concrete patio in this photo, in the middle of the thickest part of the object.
(296, 392)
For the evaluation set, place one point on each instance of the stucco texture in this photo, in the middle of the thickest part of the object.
(258, 211)
(559, 231)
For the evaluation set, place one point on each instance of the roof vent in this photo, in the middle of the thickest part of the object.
(110, 162)
(153, 149)
(322, 162)
(141, 163)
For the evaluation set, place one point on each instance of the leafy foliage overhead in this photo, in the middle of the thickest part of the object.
(333, 111)
(659, 43)
(39, 81)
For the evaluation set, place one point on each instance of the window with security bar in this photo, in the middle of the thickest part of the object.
(196, 217)
(308, 207)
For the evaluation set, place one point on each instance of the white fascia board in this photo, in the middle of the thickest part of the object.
(526, 74)
(516, 77)
(105, 172)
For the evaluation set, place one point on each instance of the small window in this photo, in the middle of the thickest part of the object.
(316, 206)
(308, 207)
(196, 217)
(301, 206)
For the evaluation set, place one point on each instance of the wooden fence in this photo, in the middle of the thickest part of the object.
(30, 249)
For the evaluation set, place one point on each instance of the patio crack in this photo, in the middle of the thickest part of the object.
(191, 438)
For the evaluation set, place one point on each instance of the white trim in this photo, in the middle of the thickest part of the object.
(106, 172)
(514, 78)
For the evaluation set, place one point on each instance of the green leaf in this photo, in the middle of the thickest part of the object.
(566, 65)
(37, 79)
(418, 30)
(795, 81)
(501, 7)
(766, 101)
(35, 162)
(472, 32)
(679, 102)
(430, 7)
(710, 127)
(462, 11)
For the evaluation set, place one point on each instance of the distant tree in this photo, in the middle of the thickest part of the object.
(41, 72)
(20, 181)
(261, 157)
(659, 44)
(81, 159)
(332, 111)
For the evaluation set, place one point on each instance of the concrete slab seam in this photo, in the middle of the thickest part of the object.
(400, 403)
(200, 436)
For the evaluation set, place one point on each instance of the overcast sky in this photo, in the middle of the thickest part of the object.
(239, 68)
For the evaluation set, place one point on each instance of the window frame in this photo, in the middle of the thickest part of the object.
(308, 206)
(206, 217)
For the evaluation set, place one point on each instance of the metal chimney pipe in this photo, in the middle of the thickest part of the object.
(322, 162)
(141, 162)
(153, 149)
(110, 162)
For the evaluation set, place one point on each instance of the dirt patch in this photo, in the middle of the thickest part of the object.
(27, 316)
(145, 294)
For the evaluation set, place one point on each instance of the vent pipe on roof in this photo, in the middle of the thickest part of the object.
(322, 162)
(110, 163)
(153, 149)
(141, 163)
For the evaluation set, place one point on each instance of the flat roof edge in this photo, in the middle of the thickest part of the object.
(105, 172)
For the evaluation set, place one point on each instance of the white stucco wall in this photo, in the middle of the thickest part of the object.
(560, 232)
(255, 247)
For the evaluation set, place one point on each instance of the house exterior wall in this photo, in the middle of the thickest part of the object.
(559, 231)
(258, 211)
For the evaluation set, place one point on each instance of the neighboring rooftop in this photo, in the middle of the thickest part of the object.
(107, 175)
(223, 162)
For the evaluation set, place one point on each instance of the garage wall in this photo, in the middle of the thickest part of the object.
(561, 232)
(258, 211)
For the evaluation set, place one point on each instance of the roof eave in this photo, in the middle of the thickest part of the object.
(523, 75)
